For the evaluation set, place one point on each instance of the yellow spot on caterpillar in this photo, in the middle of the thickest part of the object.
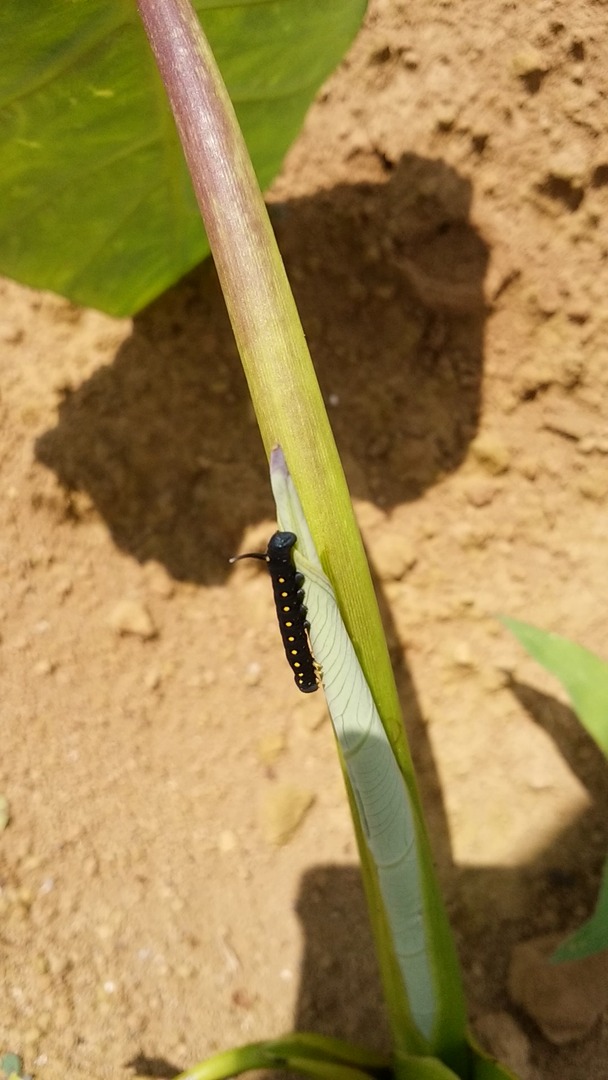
(297, 665)
(291, 639)
(289, 624)
(281, 581)
(284, 594)
(294, 652)
(286, 609)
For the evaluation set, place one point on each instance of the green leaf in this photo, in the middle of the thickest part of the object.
(382, 805)
(95, 199)
(486, 1068)
(592, 936)
(581, 673)
(585, 677)
(11, 1064)
(303, 1052)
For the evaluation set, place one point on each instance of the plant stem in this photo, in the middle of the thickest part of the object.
(290, 411)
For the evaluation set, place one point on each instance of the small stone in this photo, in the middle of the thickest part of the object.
(593, 445)
(462, 655)
(270, 747)
(152, 679)
(532, 377)
(594, 485)
(565, 1000)
(159, 580)
(283, 811)
(226, 841)
(132, 617)
(392, 556)
(491, 453)
(504, 1039)
(528, 61)
(253, 674)
(44, 667)
(480, 492)
(548, 299)
(445, 116)
(63, 588)
(571, 163)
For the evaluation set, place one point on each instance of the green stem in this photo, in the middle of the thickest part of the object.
(290, 411)
(312, 1055)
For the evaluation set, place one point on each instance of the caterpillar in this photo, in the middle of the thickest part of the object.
(291, 612)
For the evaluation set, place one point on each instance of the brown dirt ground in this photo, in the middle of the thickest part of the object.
(442, 218)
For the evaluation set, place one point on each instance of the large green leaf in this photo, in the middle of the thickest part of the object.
(95, 199)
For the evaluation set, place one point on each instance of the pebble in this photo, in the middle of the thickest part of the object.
(253, 674)
(226, 841)
(283, 811)
(503, 1038)
(152, 679)
(462, 655)
(490, 451)
(44, 667)
(556, 367)
(565, 1000)
(594, 484)
(528, 61)
(392, 556)
(132, 617)
(159, 581)
(592, 445)
(270, 747)
(570, 163)
(480, 492)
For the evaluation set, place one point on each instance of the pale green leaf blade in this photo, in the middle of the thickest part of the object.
(581, 673)
(95, 199)
(385, 811)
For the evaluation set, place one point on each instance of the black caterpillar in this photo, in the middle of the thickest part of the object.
(289, 600)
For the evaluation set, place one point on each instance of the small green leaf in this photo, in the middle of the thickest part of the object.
(581, 673)
(585, 677)
(95, 199)
(592, 936)
(423, 1068)
(485, 1067)
(11, 1064)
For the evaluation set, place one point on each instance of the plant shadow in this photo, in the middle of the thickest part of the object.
(388, 277)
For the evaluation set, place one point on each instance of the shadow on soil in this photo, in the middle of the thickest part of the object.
(388, 279)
